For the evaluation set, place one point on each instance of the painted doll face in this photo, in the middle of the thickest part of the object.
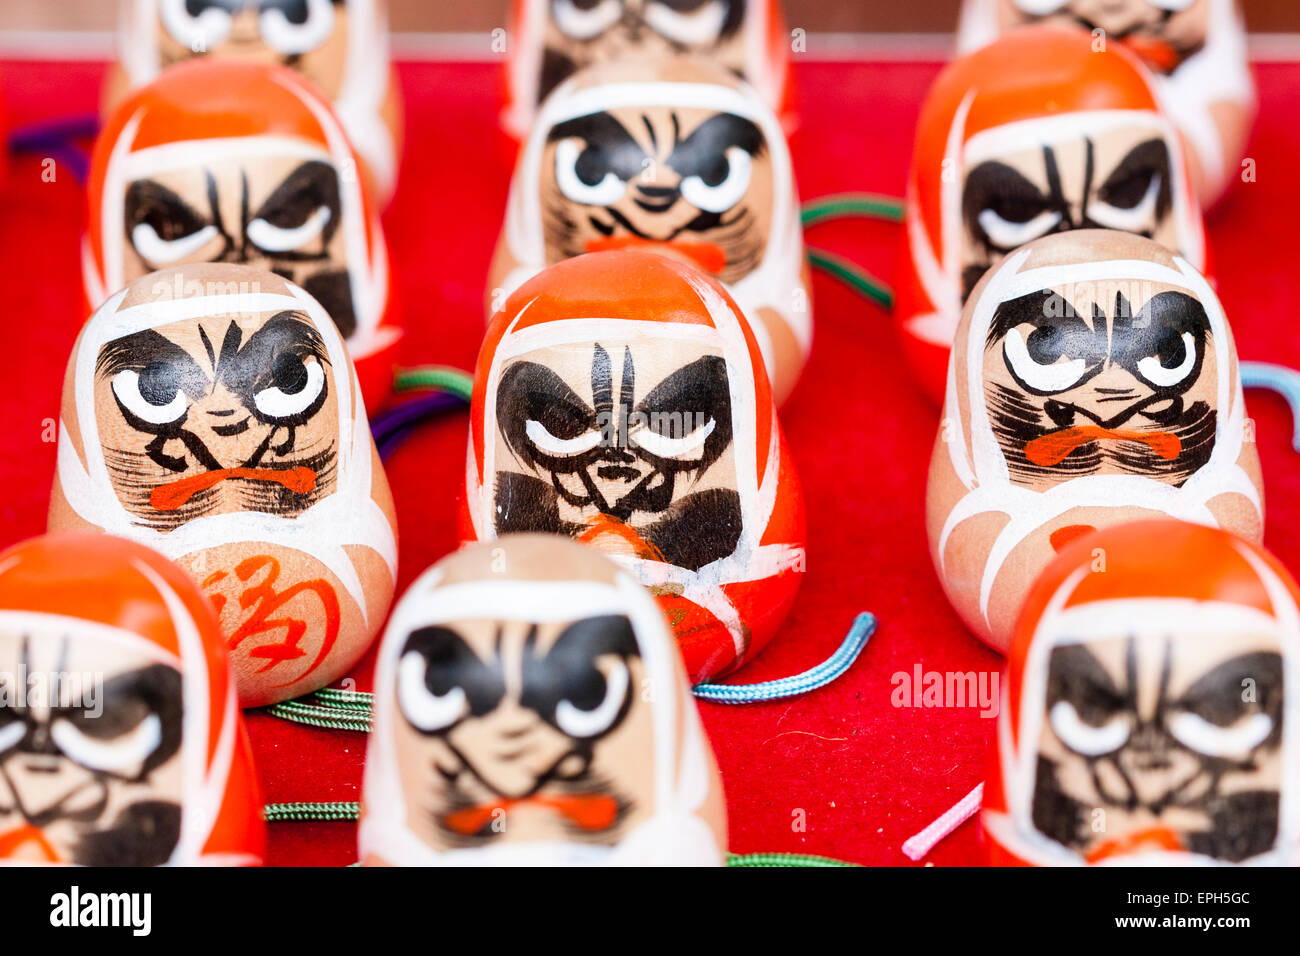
(621, 443)
(275, 212)
(226, 413)
(1177, 741)
(693, 183)
(1102, 378)
(515, 731)
(310, 36)
(579, 33)
(90, 744)
(1117, 177)
(1162, 32)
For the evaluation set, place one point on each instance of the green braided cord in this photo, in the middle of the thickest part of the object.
(851, 205)
(782, 859)
(357, 700)
(442, 377)
(303, 812)
(856, 278)
(326, 718)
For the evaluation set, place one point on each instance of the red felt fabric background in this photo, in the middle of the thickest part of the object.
(840, 772)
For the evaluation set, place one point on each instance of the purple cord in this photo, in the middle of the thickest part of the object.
(394, 426)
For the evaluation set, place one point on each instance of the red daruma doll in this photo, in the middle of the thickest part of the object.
(1145, 717)
(121, 742)
(620, 399)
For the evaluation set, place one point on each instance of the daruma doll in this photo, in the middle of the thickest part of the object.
(531, 709)
(620, 399)
(1145, 717)
(212, 413)
(121, 742)
(1093, 381)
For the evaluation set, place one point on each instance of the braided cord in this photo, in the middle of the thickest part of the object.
(751, 860)
(851, 206)
(303, 812)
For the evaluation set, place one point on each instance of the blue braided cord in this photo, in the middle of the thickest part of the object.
(864, 625)
(1277, 378)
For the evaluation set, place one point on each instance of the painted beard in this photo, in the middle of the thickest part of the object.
(291, 233)
(695, 195)
(580, 33)
(620, 466)
(531, 742)
(111, 817)
(1055, 417)
(1002, 208)
(257, 402)
(1153, 773)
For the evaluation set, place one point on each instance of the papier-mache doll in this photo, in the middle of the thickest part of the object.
(531, 709)
(1035, 134)
(121, 742)
(620, 399)
(552, 39)
(223, 161)
(676, 156)
(1145, 717)
(212, 413)
(1197, 48)
(1093, 381)
(340, 46)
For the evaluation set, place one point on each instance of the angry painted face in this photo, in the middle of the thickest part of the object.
(619, 443)
(1151, 742)
(90, 744)
(1118, 175)
(1163, 32)
(692, 182)
(1102, 378)
(226, 413)
(270, 208)
(580, 33)
(310, 36)
(513, 731)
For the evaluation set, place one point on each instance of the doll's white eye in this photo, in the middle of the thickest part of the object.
(696, 28)
(152, 394)
(273, 239)
(662, 446)
(1174, 5)
(588, 723)
(154, 249)
(1214, 741)
(1006, 234)
(551, 444)
(426, 710)
(721, 196)
(199, 31)
(1040, 8)
(121, 754)
(1128, 220)
(1055, 376)
(1154, 370)
(1083, 738)
(290, 37)
(606, 191)
(583, 21)
(298, 383)
(11, 734)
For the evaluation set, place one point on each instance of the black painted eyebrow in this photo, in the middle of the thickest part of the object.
(1035, 308)
(146, 194)
(284, 332)
(711, 139)
(1150, 156)
(311, 185)
(1217, 695)
(141, 349)
(1076, 676)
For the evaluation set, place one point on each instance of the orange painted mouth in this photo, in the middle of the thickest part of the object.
(707, 255)
(174, 494)
(593, 811)
(1071, 532)
(1156, 53)
(20, 836)
(603, 524)
(1049, 450)
(1152, 838)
